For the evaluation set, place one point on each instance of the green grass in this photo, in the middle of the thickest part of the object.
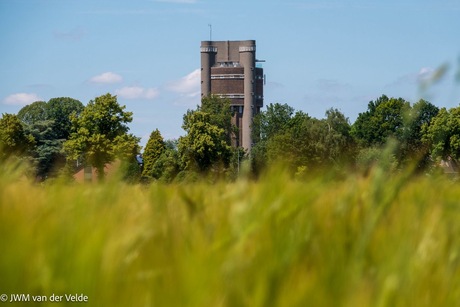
(378, 240)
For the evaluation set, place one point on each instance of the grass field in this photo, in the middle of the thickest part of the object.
(378, 240)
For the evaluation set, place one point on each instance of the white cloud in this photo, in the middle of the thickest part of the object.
(137, 92)
(21, 99)
(428, 77)
(107, 77)
(187, 88)
(425, 73)
(188, 85)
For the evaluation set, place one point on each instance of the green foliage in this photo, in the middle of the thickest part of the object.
(49, 123)
(300, 141)
(412, 147)
(340, 143)
(205, 145)
(153, 150)
(238, 164)
(167, 166)
(221, 114)
(391, 118)
(47, 154)
(207, 142)
(384, 118)
(272, 121)
(34, 112)
(266, 125)
(100, 134)
(375, 241)
(443, 134)
(59, 110)
(13, 139)
(368, 158)
(130, 171)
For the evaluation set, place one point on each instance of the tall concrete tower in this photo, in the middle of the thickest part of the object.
(228, 70)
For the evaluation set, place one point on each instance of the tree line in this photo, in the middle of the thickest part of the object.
(62, 135)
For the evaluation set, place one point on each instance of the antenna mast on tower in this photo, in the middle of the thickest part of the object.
(210, 31)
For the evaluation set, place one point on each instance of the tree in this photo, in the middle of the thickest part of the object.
(221, 114)
(412, 146)
(49, 123)
(311, 143)
(34, 112)
(59, 111)
(209, 130)
(420, 115)
(270, 122)
(266, 125)
(291, 145)
(47, 154)
(338, 138)
(153, 151)
(13, 139)
(383, 119)
(299, 141)
(205, 144)
(167, 166)
(443, 134)
(100, 134)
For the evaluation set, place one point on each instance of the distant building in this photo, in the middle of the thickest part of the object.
(89, 174)
(449, 166)
(228, 70)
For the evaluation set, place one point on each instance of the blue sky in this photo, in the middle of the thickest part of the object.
(319, 54)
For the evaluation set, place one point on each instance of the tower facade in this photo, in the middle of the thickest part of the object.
(228, 70)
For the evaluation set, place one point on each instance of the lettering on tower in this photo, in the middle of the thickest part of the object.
(208, 49)
(247, 49)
